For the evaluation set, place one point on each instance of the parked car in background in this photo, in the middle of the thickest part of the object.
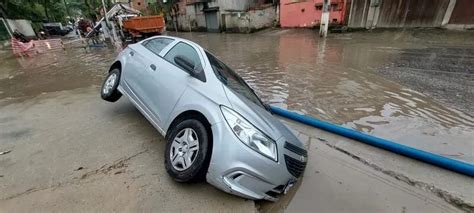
(215, 126)
(55, 28)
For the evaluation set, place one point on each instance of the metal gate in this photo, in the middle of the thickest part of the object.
(463, 12)
(397, 13)
(212, 24)
(412, 13)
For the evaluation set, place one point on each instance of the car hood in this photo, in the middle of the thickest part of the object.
(261, 118)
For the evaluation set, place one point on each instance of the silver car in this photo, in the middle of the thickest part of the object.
(215, 126)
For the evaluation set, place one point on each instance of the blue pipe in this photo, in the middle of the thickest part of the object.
(427, 157)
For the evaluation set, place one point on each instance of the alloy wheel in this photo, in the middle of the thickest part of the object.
(109, 83)
(184, 149)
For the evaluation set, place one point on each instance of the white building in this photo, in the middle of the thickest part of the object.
(225, 15)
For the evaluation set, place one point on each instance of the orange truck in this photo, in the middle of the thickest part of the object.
(142, 26)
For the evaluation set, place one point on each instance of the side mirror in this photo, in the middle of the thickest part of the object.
(185, 63)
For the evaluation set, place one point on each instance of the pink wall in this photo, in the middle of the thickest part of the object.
(303, 13)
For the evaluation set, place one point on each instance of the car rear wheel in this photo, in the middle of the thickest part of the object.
(187, 150)
(109, 91)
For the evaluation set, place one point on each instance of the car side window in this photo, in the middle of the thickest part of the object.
(185, 50)
(157, 45)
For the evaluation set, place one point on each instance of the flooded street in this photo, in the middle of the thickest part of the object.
(413, 87)
(55, 71)
(343, 80)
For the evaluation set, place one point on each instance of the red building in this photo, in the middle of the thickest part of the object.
(307, 13)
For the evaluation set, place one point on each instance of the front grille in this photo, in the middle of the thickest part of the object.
(295, 149)
(295, 167)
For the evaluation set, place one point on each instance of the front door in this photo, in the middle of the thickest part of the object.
(168, 82)
(211, 21)
(147, 85)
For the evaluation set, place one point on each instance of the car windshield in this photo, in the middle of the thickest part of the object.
(232, 80)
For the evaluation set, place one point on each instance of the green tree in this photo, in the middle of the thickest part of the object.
(50, 10)
(21, 9)
(35, 10)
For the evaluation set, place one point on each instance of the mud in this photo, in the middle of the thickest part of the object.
(87, 155)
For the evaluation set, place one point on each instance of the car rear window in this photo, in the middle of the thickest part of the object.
(157, 45)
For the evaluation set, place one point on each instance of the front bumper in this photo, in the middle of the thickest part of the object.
(237, 169)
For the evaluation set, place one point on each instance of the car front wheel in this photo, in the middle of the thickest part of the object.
(187, 150)
(109, 91)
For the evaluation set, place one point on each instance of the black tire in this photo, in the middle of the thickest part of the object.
(113, 93)
(198, 169)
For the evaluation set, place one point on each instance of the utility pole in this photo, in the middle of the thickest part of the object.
(105, 12)
(105, 25)
(67, 9)
(323, 28)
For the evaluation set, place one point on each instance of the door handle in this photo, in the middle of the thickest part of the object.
(132, 53)
(153, 67)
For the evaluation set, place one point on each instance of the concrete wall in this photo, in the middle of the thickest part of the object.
(306, 14)
(235, 5)
(190, 18)
(232, 15)
(412, 13)
(139, 5)
(358, 13)
(397, 13)
(252, 20)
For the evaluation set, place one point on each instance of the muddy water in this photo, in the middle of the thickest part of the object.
(23, 77)
(334, 79)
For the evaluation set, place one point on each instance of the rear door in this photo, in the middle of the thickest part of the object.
(169, 80)
(133, 71)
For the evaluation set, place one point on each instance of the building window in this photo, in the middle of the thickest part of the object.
(319, 7)
(335, 7)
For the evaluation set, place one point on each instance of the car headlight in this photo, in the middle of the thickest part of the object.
(249, 134)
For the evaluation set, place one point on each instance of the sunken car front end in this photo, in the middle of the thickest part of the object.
(249, 170)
